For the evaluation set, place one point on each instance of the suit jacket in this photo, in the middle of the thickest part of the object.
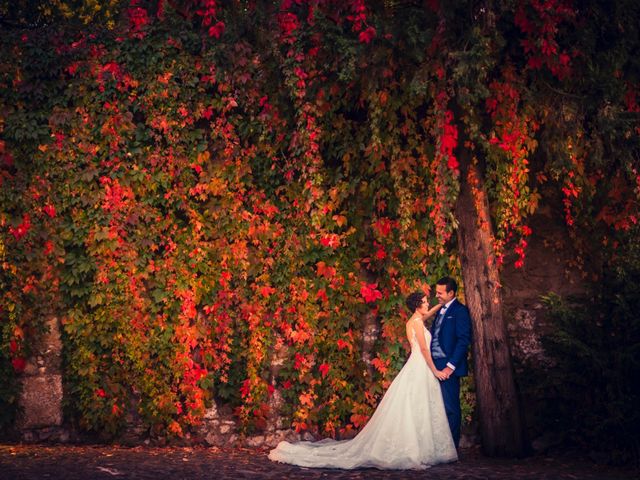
(455, 336)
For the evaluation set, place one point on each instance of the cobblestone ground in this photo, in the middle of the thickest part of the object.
(36, 462)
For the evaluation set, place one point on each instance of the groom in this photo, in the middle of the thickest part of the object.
(450, 338)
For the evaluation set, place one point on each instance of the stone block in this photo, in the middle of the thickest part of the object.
(288, 435)
(213, 439)
(308, 437)
(41, 401)
(49, 347)
(211, 413)
(255, 441)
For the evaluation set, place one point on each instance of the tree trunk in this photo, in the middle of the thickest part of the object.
(497, 401)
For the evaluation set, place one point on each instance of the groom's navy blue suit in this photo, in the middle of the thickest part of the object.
(453, 330)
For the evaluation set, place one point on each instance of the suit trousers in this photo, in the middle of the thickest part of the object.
(451, 397)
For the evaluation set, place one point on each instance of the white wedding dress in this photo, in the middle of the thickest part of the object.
(408, 430)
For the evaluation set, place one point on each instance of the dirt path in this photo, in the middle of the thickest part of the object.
(36, 462)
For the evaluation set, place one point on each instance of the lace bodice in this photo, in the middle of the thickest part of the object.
(414, 340)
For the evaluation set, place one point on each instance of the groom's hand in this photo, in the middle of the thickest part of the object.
(447, 371)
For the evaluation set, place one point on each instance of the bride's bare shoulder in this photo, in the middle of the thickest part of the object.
(413, 321)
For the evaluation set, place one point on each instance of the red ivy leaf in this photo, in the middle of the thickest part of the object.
(217, 30)
(370, 292)
(367, 35)
(330, 240)
(266, 291)
(50, 210)
(324, 369)
(22, 229)
(18, 364)
(322, 295)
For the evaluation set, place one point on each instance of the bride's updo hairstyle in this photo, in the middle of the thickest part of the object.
(414, 300)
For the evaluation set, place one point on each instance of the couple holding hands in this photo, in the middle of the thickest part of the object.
(417, 423)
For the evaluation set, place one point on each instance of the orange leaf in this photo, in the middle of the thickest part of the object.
(340, 220)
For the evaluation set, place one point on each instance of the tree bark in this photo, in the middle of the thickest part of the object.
(500, 419)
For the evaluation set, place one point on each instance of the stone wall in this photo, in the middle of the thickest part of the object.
(40, 400)
(550, 266)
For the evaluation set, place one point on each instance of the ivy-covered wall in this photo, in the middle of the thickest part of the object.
(190, 209)
(201, 191)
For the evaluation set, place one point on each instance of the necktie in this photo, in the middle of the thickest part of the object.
(439, 319)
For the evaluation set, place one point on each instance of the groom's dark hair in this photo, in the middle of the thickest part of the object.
(449, 283)
(414, 300)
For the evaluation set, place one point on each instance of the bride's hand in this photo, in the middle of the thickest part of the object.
(440, 375)
(433, 310)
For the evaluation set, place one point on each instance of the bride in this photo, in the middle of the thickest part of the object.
(408, 430)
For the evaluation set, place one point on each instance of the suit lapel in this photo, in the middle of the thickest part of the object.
(452, 307)
(450, 311)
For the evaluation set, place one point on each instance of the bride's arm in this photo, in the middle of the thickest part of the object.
(433, 310)
(422, 342)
